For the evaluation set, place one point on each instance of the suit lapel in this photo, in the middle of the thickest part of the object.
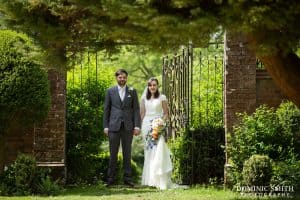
(118, 95)
(126, 94)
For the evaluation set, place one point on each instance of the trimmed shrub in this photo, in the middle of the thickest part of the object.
(24, 86)
(257, 171)
(24, 171)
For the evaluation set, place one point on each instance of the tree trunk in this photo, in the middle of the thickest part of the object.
(2, 157)
(285, 71)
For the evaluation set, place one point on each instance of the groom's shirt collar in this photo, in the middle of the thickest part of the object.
(119, 87)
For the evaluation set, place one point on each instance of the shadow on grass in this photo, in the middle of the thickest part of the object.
(101, 190)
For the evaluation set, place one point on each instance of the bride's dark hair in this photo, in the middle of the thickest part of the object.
(148, 94)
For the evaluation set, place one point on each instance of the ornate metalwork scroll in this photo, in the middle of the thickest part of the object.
(177, 86)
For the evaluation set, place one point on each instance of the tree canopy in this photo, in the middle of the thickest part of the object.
(75, 24)
(64, 27)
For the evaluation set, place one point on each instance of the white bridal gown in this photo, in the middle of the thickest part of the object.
(157, 162)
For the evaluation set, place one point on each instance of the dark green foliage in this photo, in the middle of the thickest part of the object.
(84, 131)
(84, 127)
(47, 186)
(267, 131)
(102, 161)
(198, 156)
(285, 173)
(24, 87)
(4, 190)
(257, 171)
(22, 174)
(289, 119)
(23, 177)
(180, 148)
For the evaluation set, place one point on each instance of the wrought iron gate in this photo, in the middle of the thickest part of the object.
(177, 86)
(202, 92)
(193, 84)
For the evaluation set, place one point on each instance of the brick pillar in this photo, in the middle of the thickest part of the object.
(239, 82)
(49, 136)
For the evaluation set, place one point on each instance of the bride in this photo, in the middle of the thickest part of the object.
(157, 162)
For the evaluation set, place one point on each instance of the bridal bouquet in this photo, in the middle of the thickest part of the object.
(158, 128)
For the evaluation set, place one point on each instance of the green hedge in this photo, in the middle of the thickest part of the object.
(287, 173)
(84, 129)
(24, 86)
(198, 156)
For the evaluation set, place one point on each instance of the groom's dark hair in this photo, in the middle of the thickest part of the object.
(121, 71)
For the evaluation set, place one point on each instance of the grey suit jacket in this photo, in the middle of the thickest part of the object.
(116, 111)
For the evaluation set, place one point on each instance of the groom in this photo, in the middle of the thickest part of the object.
(121, 120)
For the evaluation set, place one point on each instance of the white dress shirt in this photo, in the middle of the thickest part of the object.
(122, 91)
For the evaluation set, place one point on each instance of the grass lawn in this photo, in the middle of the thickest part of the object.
(143, 193)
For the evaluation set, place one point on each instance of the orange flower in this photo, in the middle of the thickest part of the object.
(155, 134)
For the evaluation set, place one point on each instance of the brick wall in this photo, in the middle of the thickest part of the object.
(19, 140)
(266, 90)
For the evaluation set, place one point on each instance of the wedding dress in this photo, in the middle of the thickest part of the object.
(157, 158)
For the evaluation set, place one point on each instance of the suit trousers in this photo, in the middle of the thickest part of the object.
(115, 137)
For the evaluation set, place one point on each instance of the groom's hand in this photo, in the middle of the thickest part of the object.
(105, 131)
(136, 132)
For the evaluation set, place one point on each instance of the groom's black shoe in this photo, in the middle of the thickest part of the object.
(109, 184)
(129, 183)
